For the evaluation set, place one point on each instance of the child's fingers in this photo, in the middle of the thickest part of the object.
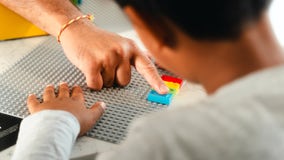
(77, 93)
(32, 102)
(48, 93)
(63, 90)
(98, 109)
(94, 114)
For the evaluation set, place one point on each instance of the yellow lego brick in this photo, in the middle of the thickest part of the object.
(14, 26)
(174, 87)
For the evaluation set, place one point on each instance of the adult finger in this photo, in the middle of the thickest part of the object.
(32, 102)
(48, 93)
(108, 76)
(63, 90)
(109, 68)
(123, 73)
(146, 68)
(94, 79)
(77, 93)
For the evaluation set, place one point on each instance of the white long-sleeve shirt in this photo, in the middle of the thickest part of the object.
(242, 120)
(47, 135)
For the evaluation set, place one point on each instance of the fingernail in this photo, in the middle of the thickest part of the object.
(50, 85)
(31, 95)
(103, 105)
(62, 83)
(76, 86)
(163, 88)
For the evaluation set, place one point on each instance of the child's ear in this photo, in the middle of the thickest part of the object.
(147, 33)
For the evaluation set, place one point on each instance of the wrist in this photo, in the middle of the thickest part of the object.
(74, 25)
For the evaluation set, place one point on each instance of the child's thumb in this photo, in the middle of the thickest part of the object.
(98, 109)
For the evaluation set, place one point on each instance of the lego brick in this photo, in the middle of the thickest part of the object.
(153, 96)
(173, 91)
(169, 78)
(172, 85)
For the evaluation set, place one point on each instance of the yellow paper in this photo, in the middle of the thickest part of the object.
(14, 26)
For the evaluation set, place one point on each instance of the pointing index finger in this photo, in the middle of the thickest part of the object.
(147, 69)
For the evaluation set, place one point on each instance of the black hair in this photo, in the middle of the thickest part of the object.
(200, 19)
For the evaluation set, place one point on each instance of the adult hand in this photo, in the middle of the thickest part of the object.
(105, 58)
(73, 103)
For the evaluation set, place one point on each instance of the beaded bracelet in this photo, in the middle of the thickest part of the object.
(88, 16)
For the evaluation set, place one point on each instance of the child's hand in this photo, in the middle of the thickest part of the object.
(73, 103)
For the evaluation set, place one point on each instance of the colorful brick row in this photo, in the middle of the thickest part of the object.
(174, 85)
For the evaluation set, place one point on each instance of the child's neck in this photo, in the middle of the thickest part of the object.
(256, 49)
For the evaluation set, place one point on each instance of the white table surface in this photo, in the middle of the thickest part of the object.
(13, 50)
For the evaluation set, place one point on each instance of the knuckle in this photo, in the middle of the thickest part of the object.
(118, 50)
(131, 43)
(111, 61)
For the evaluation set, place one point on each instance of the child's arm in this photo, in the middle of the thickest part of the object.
(49, 134)
(53, 126)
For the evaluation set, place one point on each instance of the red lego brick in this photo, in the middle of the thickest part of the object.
(172, 79)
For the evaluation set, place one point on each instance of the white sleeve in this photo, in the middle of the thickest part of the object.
(144, 141)
(49, 134)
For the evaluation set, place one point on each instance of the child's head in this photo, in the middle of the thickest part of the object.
(200, 19)
(173, 30)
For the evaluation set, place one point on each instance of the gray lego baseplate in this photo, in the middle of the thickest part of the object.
(47, 64)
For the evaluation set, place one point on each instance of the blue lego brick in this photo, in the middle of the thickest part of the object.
(153, 96)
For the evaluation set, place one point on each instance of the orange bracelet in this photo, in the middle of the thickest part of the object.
(89, 16)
